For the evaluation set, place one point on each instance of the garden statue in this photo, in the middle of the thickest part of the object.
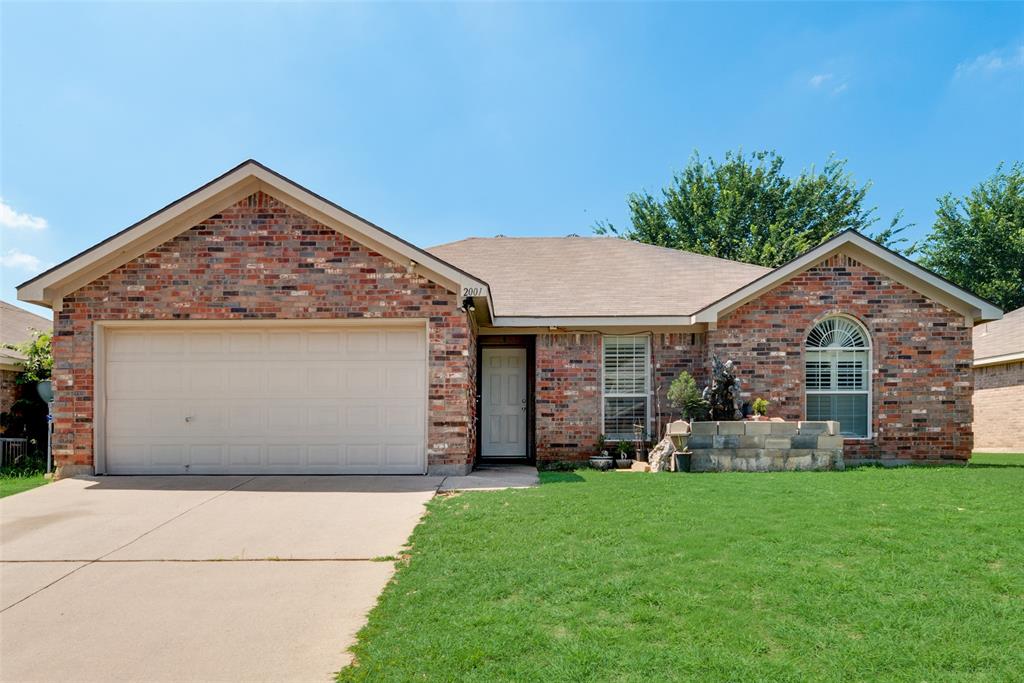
(721, 394)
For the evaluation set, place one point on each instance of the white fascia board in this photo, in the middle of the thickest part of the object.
(999, 360)
(981, 309)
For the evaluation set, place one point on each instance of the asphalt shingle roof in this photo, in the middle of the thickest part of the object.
(594, 276)
(16, 326)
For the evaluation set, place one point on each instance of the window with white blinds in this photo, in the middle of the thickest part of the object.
(626, 372)
(837, 375)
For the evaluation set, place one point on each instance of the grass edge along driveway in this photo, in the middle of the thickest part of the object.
(16, 482)
(896, 574)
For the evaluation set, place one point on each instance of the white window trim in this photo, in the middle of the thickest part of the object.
(647, 387)
(870, 376)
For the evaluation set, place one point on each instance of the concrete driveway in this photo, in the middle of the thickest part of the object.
(196, 578)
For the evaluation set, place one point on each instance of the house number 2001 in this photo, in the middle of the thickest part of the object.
(472, 291)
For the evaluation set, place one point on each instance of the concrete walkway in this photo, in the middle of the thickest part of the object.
(201, 578)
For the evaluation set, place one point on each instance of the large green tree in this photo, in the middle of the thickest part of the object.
(978, 240)
(746, 208)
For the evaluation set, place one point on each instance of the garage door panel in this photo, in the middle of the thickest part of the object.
(167, 345)
(206, 379)
(245, 343)
(324, 416)
(404, 455)
(327, 343)
(403, 344)
(405, 380)
(327, 455)
(250, 455)
(266, 401)
(127, 379)
(324, 381)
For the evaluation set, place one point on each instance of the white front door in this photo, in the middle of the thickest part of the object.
(238, 399)
(503, 409)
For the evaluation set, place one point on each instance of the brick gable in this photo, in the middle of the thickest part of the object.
(261, 260)
(921, 357)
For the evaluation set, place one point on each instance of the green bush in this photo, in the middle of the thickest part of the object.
(760, 406)
(685, 397)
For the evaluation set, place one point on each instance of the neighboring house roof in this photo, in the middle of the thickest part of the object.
(873, 255)
(48, 288)
(17, 326)
(1000, 341)
(566, 277)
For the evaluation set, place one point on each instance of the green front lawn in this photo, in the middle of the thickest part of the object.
(16, 482)
(1016, 459)
(912, 574)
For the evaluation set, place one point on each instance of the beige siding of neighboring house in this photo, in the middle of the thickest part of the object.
(999, 406)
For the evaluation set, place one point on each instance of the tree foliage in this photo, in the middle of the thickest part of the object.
(745, 208)
(684, 396)
(977, 241)
(38, 362)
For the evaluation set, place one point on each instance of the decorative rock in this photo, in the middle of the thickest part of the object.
(660, 457)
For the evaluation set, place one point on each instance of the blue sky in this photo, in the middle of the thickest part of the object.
(441, 121)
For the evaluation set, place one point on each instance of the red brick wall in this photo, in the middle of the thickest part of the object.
(672, 354)
(567, 395)
(568, 388)
(259, 259)
(921, 357)
(999, 406)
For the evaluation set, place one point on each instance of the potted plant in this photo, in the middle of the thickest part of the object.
(601, 461)
(624, 455)
(760, 407)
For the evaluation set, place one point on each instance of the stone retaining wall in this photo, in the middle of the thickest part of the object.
(765, 446)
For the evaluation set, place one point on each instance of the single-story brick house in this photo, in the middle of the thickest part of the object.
(253, 326)
(999, 384)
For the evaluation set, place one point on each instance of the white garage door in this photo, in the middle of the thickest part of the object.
(243, 400)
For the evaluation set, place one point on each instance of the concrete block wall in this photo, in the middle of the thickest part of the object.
(765, 446)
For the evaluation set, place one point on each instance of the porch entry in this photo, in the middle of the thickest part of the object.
(503, 409)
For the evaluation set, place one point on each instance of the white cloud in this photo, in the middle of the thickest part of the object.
(13, 258)
(991, 63)
(839, 88)
(818, 80)
(9, 218)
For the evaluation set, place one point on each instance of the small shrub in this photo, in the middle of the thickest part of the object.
(685, 397)
(760, 406)
(624, 450)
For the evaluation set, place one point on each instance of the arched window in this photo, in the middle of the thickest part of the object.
(837, 374)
